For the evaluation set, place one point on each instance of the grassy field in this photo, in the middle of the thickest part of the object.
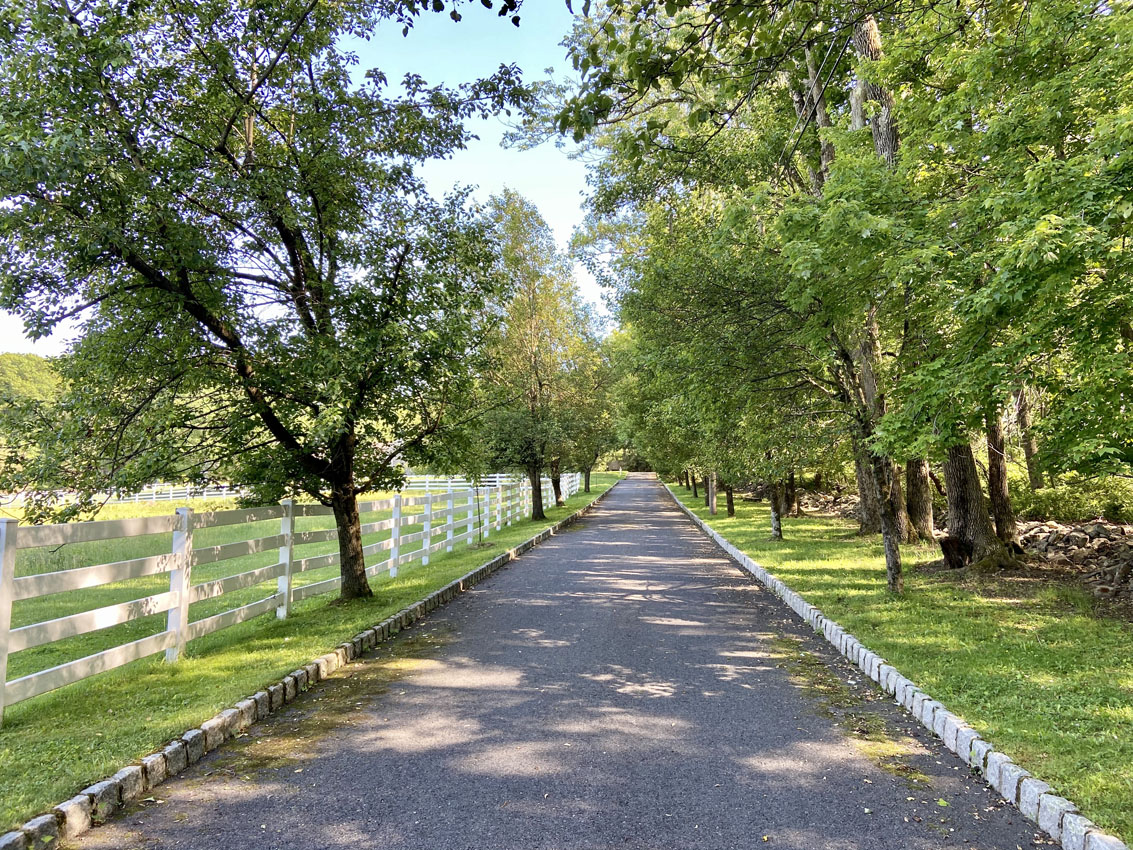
(1024, 659)
(55, 744)
(36, 561)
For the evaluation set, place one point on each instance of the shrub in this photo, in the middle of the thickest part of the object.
(1075, 498)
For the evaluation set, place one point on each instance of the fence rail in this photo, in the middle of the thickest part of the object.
(448, 512)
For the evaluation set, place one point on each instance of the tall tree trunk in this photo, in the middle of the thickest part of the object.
(867, 41)
(586, 480)
(1030, 444)
(918, 498)
(711, 485)
(704, 483)
(730, 500)
(971, 537)
(821, 117)
(997, 487)
(890, 529)
(776, 506)
(352, 563)
(792, 493)
(868, 510)
(535, 479)
(557, 481)
(905, 531)
(693, 479)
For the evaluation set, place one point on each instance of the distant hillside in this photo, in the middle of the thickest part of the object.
(27, 376)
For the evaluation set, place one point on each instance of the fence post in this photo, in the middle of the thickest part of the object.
(450, 522)
(428, 530)
(395, 536)
(286, 556)
(8, 531)
(471, 524)
(180, 582)
(486, 524)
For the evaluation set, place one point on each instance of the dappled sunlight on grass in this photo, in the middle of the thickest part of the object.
(1025, 661)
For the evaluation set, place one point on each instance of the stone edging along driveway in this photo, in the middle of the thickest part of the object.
(1056, 816)
(102, 799)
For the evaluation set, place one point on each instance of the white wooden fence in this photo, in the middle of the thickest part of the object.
(452, 511)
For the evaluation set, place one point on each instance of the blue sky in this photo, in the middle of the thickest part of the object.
(442, 51)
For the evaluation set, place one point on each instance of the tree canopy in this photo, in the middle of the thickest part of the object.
(228, 205)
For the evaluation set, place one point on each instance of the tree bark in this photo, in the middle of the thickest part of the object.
(997, 486)
(711, 485)
(557, 481)
(586, 480)
(905, 531)
(867, 41)
(705, 484)
(821, 117)
(693, 479)
(918, 498)
(776, 504)
(890, 529)
(730, 500)
(1030, 444)
(535, 480)
(868, 510)
(792, 493)
(352, 563)
(968, 521)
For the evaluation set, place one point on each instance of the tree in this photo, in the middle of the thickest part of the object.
(545, 352)
(261, 279)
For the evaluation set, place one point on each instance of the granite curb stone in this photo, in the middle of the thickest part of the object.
(41, 831)
(99, 801)
(1062, 821)
(154, 768)
(74, 816)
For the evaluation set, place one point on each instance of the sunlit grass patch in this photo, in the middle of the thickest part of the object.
(1026, 660)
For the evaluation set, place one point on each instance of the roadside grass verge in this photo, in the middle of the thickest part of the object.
(55, 744)
(1025, 660)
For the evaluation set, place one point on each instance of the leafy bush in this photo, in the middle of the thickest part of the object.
(1075, 498)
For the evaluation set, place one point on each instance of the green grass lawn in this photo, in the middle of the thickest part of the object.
(1024, 659)
(55, 744)
(36, 561)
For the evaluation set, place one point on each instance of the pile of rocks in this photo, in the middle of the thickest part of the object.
(1102, 550)
(841, 503)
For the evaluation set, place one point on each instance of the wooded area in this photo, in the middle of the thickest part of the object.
(888, 238)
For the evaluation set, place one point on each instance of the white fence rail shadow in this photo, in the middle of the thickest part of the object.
(450, 512)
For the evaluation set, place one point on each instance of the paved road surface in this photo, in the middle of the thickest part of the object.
(621, 686)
